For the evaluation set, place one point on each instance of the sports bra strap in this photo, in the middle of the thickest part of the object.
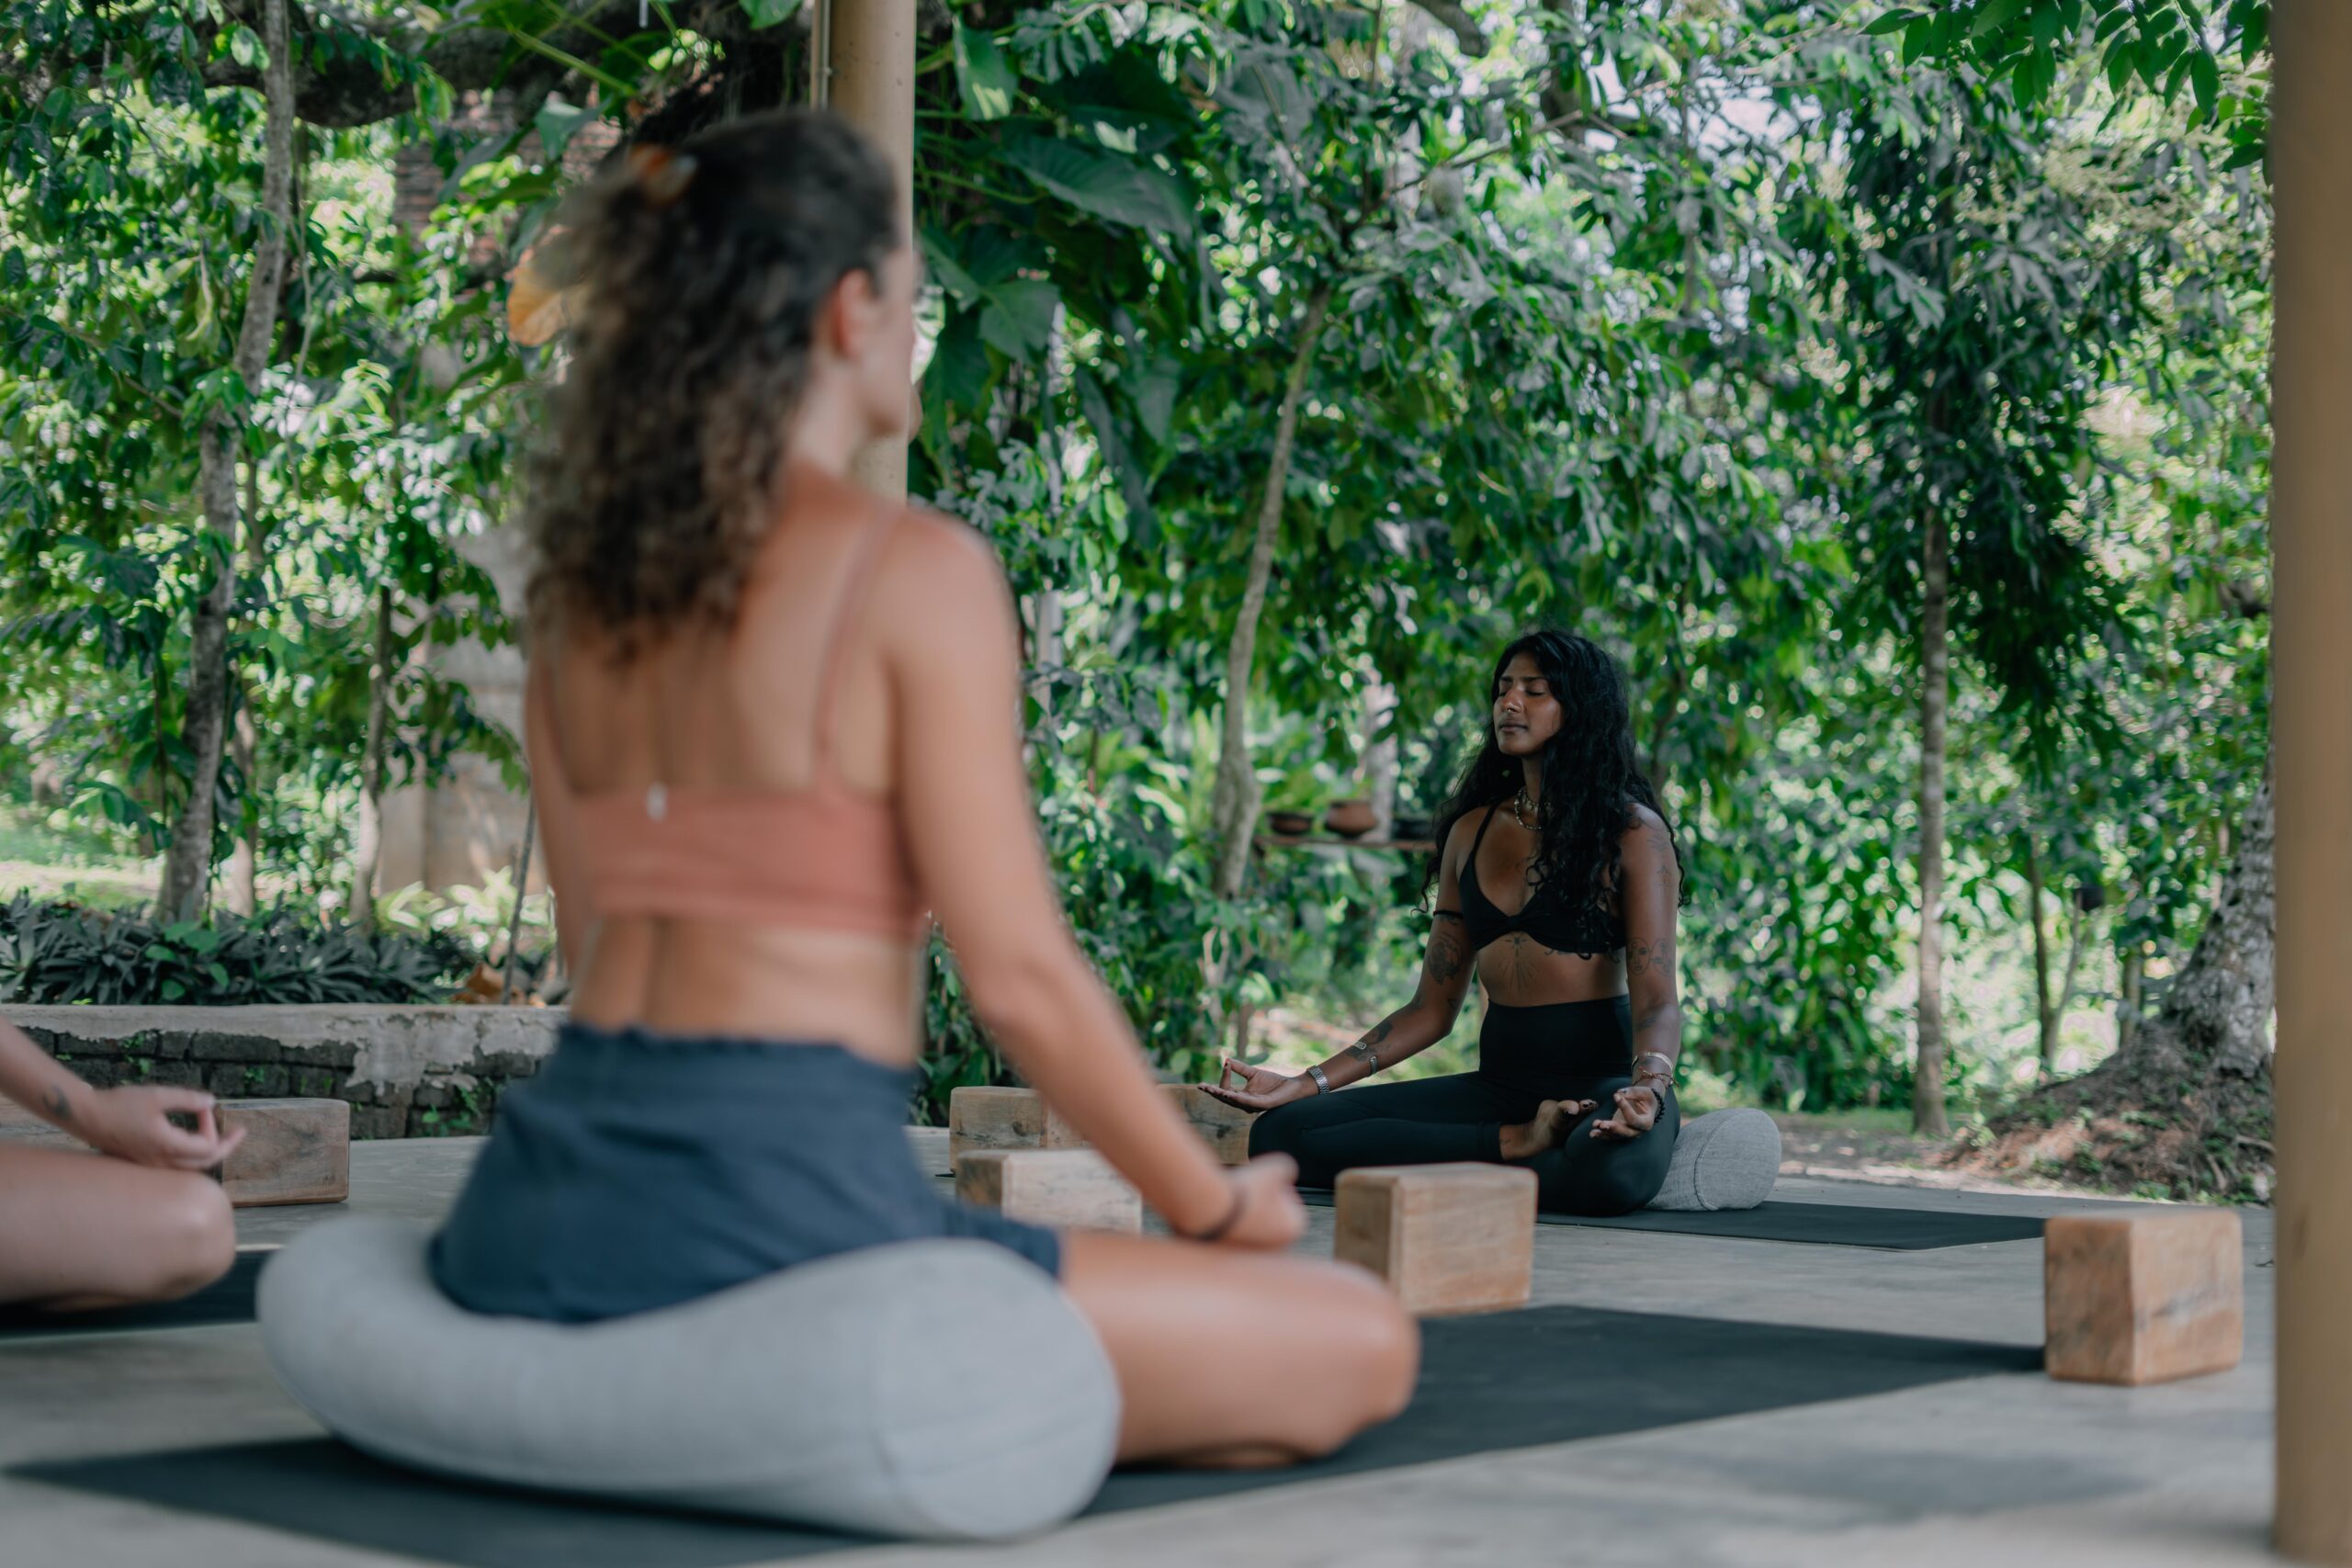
(866, 557)
(1480, 836)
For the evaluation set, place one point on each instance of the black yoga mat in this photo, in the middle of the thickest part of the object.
(1509, 1381)
(1830, 1224)
(229, 1299)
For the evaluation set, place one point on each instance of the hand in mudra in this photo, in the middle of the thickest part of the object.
(1261, 1088)
(134, 1123)
(1637, 1111)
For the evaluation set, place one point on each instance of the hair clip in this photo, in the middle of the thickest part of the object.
(662, 172)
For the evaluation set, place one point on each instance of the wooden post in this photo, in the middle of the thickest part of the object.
(867, 77)
(2310, 534)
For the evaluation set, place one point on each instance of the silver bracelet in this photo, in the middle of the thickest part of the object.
(1322, 1084)
(1371, 1057)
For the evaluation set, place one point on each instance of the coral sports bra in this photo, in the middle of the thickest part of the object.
(826, 855)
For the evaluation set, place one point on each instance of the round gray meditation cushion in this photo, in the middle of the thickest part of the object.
(939, 1390)
(1726, 1160)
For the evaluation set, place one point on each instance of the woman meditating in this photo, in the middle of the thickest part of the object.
(133, 1218)
(772, 726)
(1558, 876)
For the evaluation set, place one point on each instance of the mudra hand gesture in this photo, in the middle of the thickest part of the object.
(134, 1123)
(1637, 1111)
(1260, 1089)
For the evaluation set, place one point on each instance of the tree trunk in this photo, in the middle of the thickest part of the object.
(2127, 1011)
(2219, 1007)
(2046, 1024)
(189, 862)
(1928, 1074)
(2078, 933)
(1380, 758)
(235, 889)
(2185, 1102)
(369, 841)
(1235, 803)
(521, 887)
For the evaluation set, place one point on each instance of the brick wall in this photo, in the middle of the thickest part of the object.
(406, 1072)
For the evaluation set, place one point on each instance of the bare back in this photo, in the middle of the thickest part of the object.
(741, 709)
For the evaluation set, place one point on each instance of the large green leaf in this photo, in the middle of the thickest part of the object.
(1120, 189)
(1134, 486)
(1018, 319)
(985, 80)
(769, 13)
(557, 120)
(958, 374)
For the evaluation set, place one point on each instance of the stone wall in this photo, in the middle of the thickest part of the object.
(407, 1071)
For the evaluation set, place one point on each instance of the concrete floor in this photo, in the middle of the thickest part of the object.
(2012, 1471)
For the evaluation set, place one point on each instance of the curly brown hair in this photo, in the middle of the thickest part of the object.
(695, 275)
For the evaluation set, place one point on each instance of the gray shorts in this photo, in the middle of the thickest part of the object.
(639, 1170)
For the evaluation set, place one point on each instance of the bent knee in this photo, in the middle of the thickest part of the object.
(1373, 1357)
(1605, 1196)
(1277, 1132)
(190, 1234)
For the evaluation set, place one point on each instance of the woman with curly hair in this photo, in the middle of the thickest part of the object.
(1557, 876)
(771, 722)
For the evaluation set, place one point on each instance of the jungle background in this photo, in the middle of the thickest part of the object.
(1884, 386)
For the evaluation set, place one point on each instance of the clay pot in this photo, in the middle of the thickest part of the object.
(1352, 818)
(1289, 824)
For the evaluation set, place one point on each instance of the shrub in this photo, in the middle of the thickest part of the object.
(66, 953)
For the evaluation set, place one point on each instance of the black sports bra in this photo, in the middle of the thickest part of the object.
(1547, 918)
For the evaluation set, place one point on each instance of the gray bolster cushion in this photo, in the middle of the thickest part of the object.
(938, 1390)
(1726, 1160)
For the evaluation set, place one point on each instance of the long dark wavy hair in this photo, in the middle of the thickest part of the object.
(698, 275)
(1591, 782)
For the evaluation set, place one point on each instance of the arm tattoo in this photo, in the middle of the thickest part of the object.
(59, 1106)
(1641, 957)
(1367, 1049)
(1445, 953)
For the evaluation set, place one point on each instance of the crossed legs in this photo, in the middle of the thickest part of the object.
(1464, 1116)
(1229, 1358)
(80, 1231)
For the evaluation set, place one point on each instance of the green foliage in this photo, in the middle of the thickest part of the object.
(2164, 45)
(1662, 322)
(62, 953)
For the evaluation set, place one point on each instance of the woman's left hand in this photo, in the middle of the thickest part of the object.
(1637, 1111)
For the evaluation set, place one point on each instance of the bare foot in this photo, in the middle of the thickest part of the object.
(1548, 1131)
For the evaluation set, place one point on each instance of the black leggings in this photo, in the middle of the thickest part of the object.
(1526, 1056)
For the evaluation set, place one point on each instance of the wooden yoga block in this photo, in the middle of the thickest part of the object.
(296, 1151)
(1226, 1127)
(2145, 1296)
(1071, 1189)
(1005, 1118)
(1448, 1238)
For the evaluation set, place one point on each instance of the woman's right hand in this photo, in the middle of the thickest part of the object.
(1271, 1217)
(134, 1123)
